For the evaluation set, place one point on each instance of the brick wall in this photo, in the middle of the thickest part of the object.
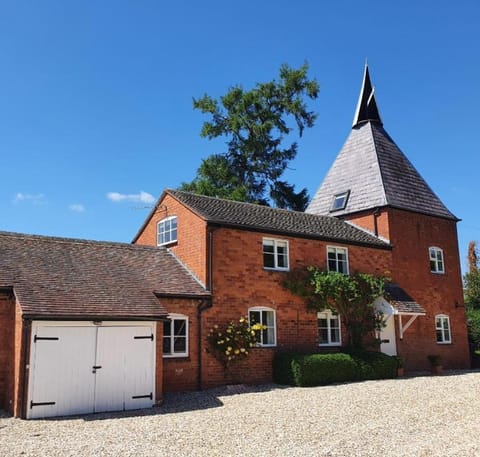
(411, 235)
(191, 247)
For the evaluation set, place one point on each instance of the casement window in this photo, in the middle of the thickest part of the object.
(337, 259)
(329, 330)
(436, 260)
(442, 328)
(340, 201)
(275, 254)
(167, 231)
(266, 317)
(175, 336)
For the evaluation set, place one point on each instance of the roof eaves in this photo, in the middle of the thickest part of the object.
(380, 245)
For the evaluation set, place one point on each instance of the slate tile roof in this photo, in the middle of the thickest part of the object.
(378, 174)
(401, 301)
(69, 278)
(273, 220)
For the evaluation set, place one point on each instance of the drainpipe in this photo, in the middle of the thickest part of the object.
(204, 305)
(376, 213)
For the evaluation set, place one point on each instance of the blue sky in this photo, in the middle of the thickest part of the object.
(96, 112)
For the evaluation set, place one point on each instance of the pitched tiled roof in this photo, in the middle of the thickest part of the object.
(401, 301)
(69, 278)
(377, 173)
(272, 220)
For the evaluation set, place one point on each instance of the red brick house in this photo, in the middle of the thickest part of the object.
(78, 316)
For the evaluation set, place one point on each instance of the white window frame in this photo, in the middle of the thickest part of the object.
(276, 243)
(329, 316)
(337, 262)
(261, 309)
(446, 334)
(172, 318)
(433, 254)
(170, 231)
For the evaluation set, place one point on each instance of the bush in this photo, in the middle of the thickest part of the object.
(375, 365)
(320, 369)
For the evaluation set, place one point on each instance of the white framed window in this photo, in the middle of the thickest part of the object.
(442, 328)
(167, 231)
(275, 254)
(266, 317)
(175, 336)
(437, 264)
(337, 259)
(340, 201)
(329, 329)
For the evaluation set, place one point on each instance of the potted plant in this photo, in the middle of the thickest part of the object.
(435, 364)
(400, 365)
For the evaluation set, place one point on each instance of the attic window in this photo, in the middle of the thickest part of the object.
(340, 201)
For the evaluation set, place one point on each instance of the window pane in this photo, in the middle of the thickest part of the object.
(179, 344)
(268, 260)
(323, 336)
(255, 317)
(167, 345)
(179, 327)
(268, 318)
(334, 335)
(167, 328)
(439, 336)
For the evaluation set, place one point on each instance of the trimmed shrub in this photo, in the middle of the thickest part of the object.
(320, 369)
(375, 365)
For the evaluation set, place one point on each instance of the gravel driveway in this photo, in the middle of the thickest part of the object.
(418, 416)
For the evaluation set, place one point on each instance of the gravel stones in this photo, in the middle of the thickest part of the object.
(414, 416)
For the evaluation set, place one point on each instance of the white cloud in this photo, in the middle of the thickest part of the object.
(77, 208)
(37, 199)
(143, 197)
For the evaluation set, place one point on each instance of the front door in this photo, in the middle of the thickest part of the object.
(387, 335)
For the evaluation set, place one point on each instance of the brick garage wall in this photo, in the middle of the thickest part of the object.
(180, 373)
(7, 316)
(412, 234)
(191, 247)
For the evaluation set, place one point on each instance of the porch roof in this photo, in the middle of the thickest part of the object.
(401, 301)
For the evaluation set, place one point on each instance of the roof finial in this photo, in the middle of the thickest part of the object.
(367, 106)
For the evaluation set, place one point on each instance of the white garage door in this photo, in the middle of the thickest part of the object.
(78, 368)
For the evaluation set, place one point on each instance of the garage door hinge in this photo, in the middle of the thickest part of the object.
(136, 397)
(47, 338)
(150, 337)
(45, 403)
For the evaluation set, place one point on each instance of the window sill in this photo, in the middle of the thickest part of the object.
(330, 345)
(276, 269)
(167, 245)
(444, 342)
(175, 356)
(437, 272)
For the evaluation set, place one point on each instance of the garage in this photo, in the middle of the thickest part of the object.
(88, 367)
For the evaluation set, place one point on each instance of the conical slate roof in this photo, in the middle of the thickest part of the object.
(371, 171)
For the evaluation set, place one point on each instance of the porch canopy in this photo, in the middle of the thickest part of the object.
(397, 302)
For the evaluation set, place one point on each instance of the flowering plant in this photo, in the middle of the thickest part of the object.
(233, 341)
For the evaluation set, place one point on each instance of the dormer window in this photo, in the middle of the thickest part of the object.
(167, 231)
(340, 201)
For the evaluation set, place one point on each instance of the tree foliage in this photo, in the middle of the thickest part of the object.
(350, 296)
(471, 279)
(258, 125)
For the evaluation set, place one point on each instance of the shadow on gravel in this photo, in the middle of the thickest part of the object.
(179, 402)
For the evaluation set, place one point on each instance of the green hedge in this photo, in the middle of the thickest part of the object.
(320, 369)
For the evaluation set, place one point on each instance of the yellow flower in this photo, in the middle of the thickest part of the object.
(215, 326)
(252, 333)
(242, 320)
(237, 351)
(229, 348)
(242, 349)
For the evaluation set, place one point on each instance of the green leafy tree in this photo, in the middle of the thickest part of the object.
(350, 296)
(471, 279)
(258, 125)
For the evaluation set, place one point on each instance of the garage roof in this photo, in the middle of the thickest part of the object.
(79, 279)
